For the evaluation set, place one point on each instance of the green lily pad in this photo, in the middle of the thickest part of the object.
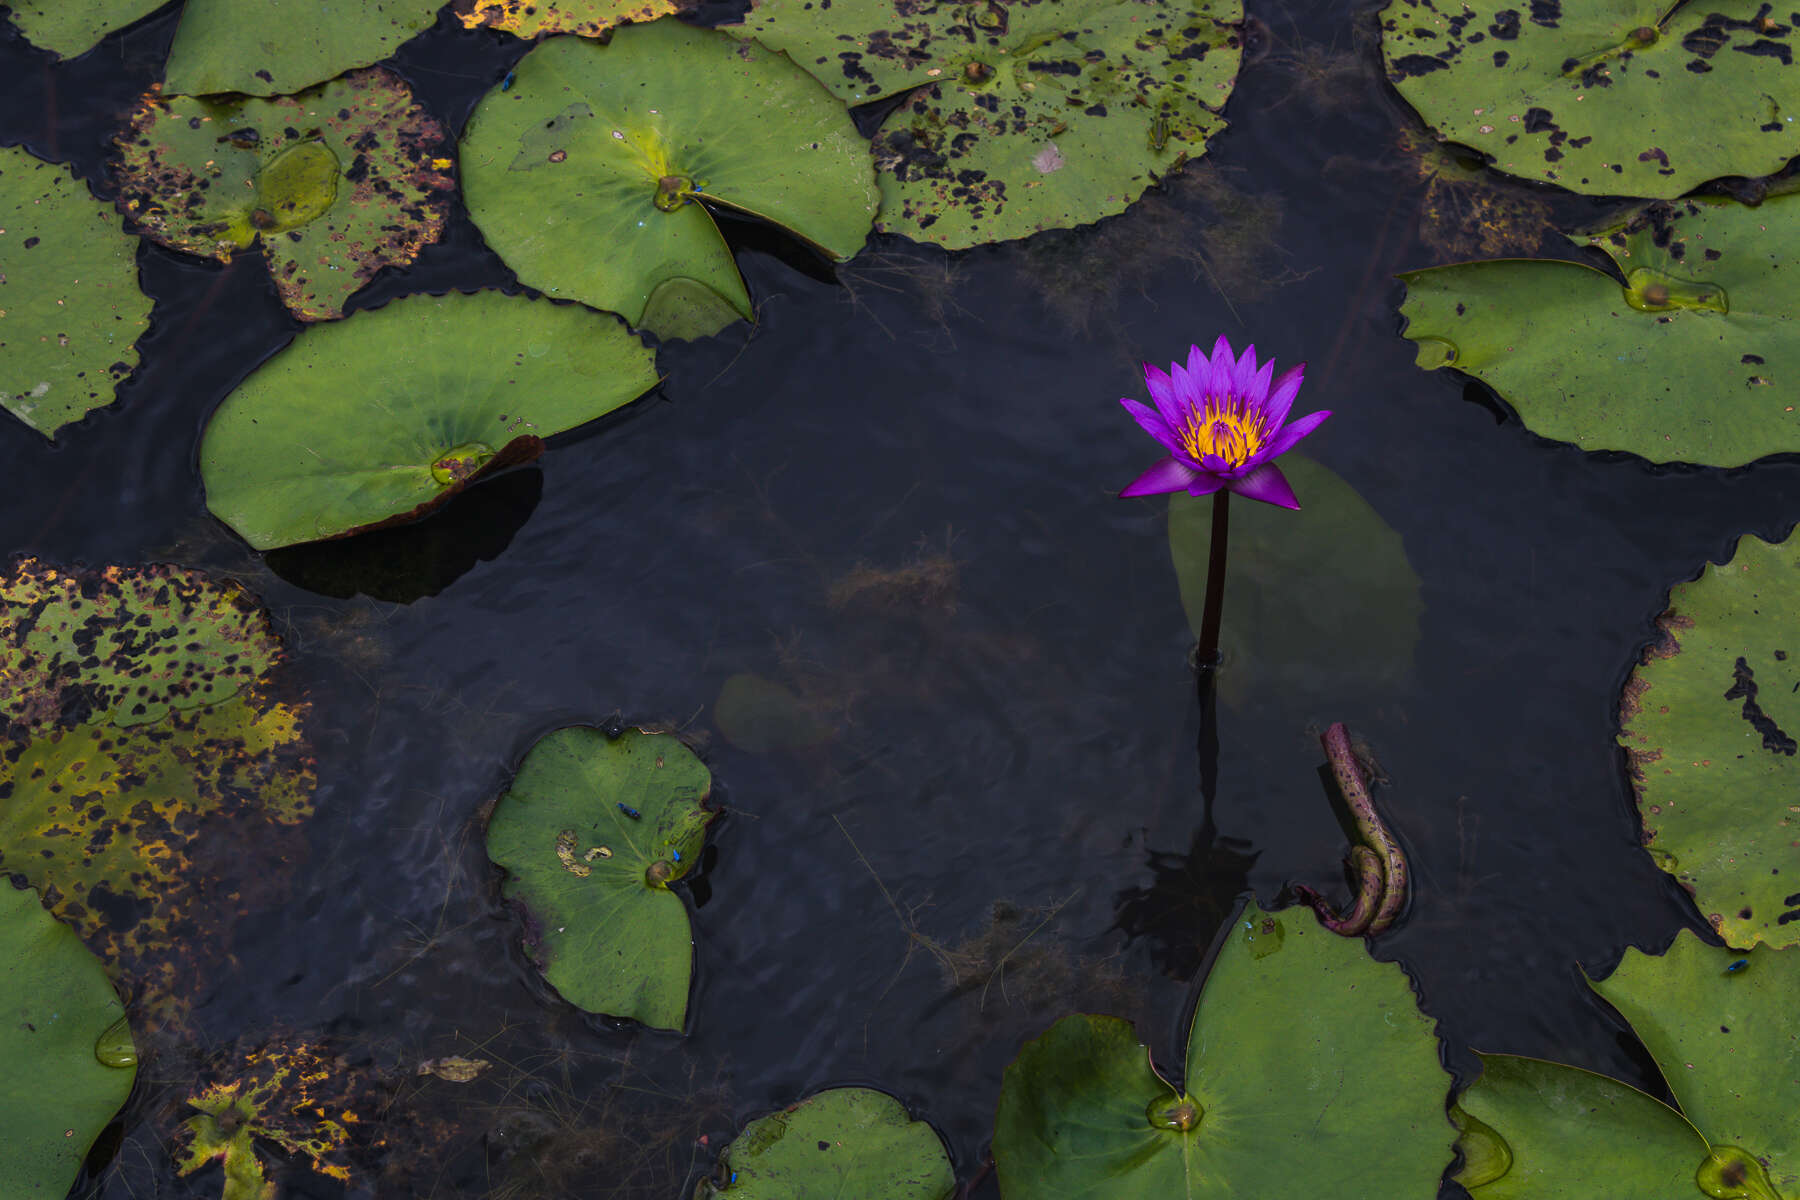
(1030, 115)
(290, 1094)
(127, 644)
(1304, 1052)
(131, 822)
(762, 716)
(1277, 640)
(406, 405)
(58, 1014)
(1705, 721)
(278, 49)
(334, 184)
(592, 833)
(1533, 1130)
(1605, 97)
(67, 28)
(1686, 361)
(70, 308)
(1721, 1025)
(537, 18)
(617, 151)
(838, 1143)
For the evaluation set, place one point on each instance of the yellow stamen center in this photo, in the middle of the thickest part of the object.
(1227, 427)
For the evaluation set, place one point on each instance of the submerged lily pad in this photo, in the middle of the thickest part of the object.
(536, 18)
(1685, 361)
(66, 1046)
(124, 644)
(1722, 1027)
(593, 173)
(1604, 97)
(67, 28)
(334, 184)
(592, 832)
(1032, 115)
(277, 49)
(70, 308)
(1709, 720)
(841, 1142)
(1308, 1061)
(133, 823)
(291, 1095)
(762, 716)
(406, 405)
(1277, 640)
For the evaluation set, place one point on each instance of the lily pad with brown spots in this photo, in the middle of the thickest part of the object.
(1711, 722)
(67, 28)
(538, 18)
(70, 308)
(594, 174)
(332, 185)
(123, 645)
(276, 49)
(1603, 97)
(591, 834)
(1691, 354)
(1031, 115)
(382, 418)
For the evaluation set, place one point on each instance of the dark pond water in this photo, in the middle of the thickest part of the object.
(896, 496)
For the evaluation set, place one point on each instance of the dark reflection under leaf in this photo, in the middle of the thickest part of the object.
(1190, 896)
(409, 562)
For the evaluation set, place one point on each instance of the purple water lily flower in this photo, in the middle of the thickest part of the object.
(1223, 424)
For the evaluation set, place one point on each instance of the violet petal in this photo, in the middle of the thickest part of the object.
(1281, 396)
(1285, 440)
(1222, 363)
(1169, 475)
(1267, 484)
(1162, 394)
(1243, 371)
(1259, 387)
(1153, 425)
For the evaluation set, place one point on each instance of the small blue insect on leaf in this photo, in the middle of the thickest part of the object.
(1738, 965)
(633, 813)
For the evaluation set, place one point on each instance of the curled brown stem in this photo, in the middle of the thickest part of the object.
(1378, 862)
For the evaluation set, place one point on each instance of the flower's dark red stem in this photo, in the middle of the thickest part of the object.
(1206, 655)
(1392, 880)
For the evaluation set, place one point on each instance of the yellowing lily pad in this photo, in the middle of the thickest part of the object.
(70, 308)
(842, 1142)
(592, 832)
(1691, 358)
(67, 28)
(593, 173)
(406, 405)
(66, 1045)
(537, 18)
(1709, 720)
(1032, 115)
(333, 184)
(1308, 1062)
(1603, 97)
(133, 823)
(265, 49)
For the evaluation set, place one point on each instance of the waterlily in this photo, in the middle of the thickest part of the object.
(1224, 423)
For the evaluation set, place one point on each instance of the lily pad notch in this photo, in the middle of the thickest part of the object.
(593, 832)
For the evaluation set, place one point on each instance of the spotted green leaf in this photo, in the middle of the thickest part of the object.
(592, 175)
(537, 18)
(332, 185)
(1032, 115)
(275, 49)
(383, 417)
(67, 28)
(1603, 97)
(842, 1142)
(67, 1049)
(592, 832)
(1686, 359)
(1709, 720)
(70, 308)
(1304, 1052)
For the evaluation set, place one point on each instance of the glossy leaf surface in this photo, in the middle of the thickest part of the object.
(382, 418)
(332, 185)
(838, 1143)
(67, 28)
(1691, 359)
(265, 49)
(1709, 720)
(68, 294)
(592, 832)
(1604, 97)
(1041, 114)
(592, 174)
